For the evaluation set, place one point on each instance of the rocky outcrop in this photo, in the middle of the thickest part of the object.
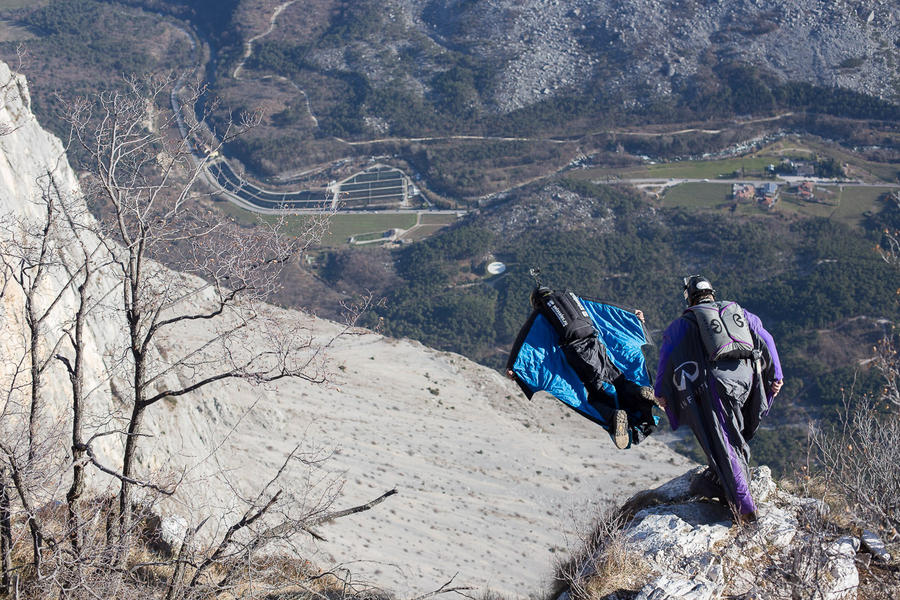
(695, 550)
(642, 49)
(28, 156)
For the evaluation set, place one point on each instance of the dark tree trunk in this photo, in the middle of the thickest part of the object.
(5, 536)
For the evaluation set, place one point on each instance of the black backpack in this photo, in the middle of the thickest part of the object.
(565, 314)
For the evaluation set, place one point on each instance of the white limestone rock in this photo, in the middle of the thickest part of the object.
(669, 587)
(677, 533)
(873, 544)
(841, 566)
(696, 551)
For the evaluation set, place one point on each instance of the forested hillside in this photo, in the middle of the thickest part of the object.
(820, 287)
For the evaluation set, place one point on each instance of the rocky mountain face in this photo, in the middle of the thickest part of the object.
(490, 486)
(643, 49)
(691, 549)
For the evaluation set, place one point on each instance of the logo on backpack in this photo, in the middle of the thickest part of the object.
(559, 314)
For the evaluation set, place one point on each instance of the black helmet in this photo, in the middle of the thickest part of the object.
(695, 287)
(539, 292)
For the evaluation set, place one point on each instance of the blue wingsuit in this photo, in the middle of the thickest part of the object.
(539, 364)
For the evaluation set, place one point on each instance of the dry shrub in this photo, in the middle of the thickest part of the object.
(855, 468)
(860, 460)
(605, 562)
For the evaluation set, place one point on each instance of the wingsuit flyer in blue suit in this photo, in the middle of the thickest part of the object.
(538, 363)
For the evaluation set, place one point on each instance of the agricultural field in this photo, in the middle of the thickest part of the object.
(855, 202)
(790, 204)
(342, 226)
(798, 147)
(367, 226)
(17, 4)
(710, 169)
(432, 219)
(751, 165)
(847, 204)
(688, 169)
(697, 195)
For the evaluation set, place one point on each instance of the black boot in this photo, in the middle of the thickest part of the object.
(617, 419)
(706, 484)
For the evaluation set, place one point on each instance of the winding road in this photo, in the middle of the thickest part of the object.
(370, 189)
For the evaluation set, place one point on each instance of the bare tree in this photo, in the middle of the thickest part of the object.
(887, 362)
(860, 457)
(63, 265)
(85, 260)
(147, 180)
(30, 251)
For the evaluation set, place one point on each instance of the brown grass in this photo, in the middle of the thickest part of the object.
(605, 562)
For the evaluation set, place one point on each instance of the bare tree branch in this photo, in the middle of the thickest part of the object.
(446, 589)
(96, 462)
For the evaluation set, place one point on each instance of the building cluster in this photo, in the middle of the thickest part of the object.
(766, 194)
(799, 168)
(806, 190)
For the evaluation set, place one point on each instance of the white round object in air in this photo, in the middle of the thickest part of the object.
(495, 268)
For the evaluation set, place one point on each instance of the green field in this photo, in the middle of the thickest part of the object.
(17, 4)
(708, 169)
(341, 227)
(697, 195)
(689, 169)
(796, 147)
(808, 148)
(791, 205)
(438, 218)
(847, 204)
(372, 236)
(422, 231)
(855, 201)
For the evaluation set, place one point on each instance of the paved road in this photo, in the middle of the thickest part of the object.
(370, 191)
(231, 184)
(381, 187)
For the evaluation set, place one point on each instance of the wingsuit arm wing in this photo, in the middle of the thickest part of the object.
(511, 361)
(664, 386)
(771, 362)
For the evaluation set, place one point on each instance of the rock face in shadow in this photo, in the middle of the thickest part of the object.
(695, 550)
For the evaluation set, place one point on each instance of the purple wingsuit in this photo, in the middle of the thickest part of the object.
(721, 401)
